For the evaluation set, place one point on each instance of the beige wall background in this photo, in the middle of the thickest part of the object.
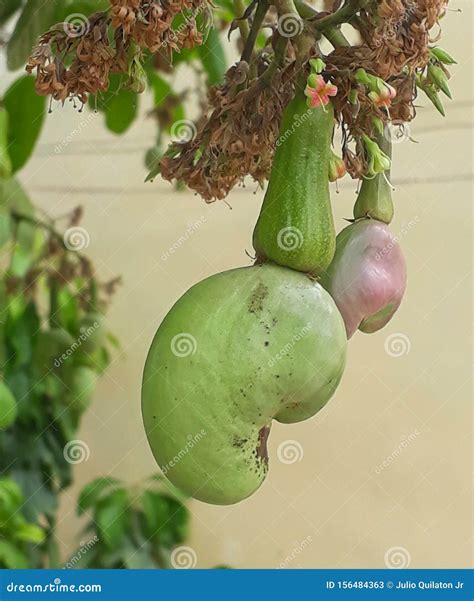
(406, 395)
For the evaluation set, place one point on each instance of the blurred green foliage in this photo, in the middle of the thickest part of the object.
(49, 296)
(131, 527)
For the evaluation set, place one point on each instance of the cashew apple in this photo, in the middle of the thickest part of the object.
(236, 351)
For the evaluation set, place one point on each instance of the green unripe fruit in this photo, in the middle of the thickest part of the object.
(295, 227)
(8, 407)
(238, 350)
(52, 348)
(80, 383)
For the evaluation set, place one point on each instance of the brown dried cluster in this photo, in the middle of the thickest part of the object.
(92, 55)
(236, 140)
(398, 34)
(91, 65)
(149, 23)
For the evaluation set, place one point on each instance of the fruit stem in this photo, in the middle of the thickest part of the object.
(375, 195)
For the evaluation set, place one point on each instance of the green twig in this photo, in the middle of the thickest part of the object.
(261, 11)
(343, 15)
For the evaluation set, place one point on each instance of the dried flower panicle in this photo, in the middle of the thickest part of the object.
(237, 139)
(73, 64)
(400, 32)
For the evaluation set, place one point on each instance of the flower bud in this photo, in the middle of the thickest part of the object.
(440, 79)
(337, 167)
(442, 56)
(317, 65)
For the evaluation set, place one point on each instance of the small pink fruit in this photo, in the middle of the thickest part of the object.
(367, 277)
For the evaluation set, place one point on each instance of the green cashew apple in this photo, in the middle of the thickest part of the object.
(295, 227)
(8, 406)
(238, 350)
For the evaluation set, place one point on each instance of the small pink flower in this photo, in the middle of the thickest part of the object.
(318, 91)
(384, 97)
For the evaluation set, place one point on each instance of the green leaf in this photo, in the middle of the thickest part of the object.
(7, 8)
(161, 88)
(111, 517)
(11, 557)
(139, 558)
(14, 197)
(30, 533)
(10, 495)
(37, 16)
(39, 499)
(119, 105)
(92, 493)
(65, 8)
(166, 519)
(213, 58)
(26, 112)
(5, 160)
